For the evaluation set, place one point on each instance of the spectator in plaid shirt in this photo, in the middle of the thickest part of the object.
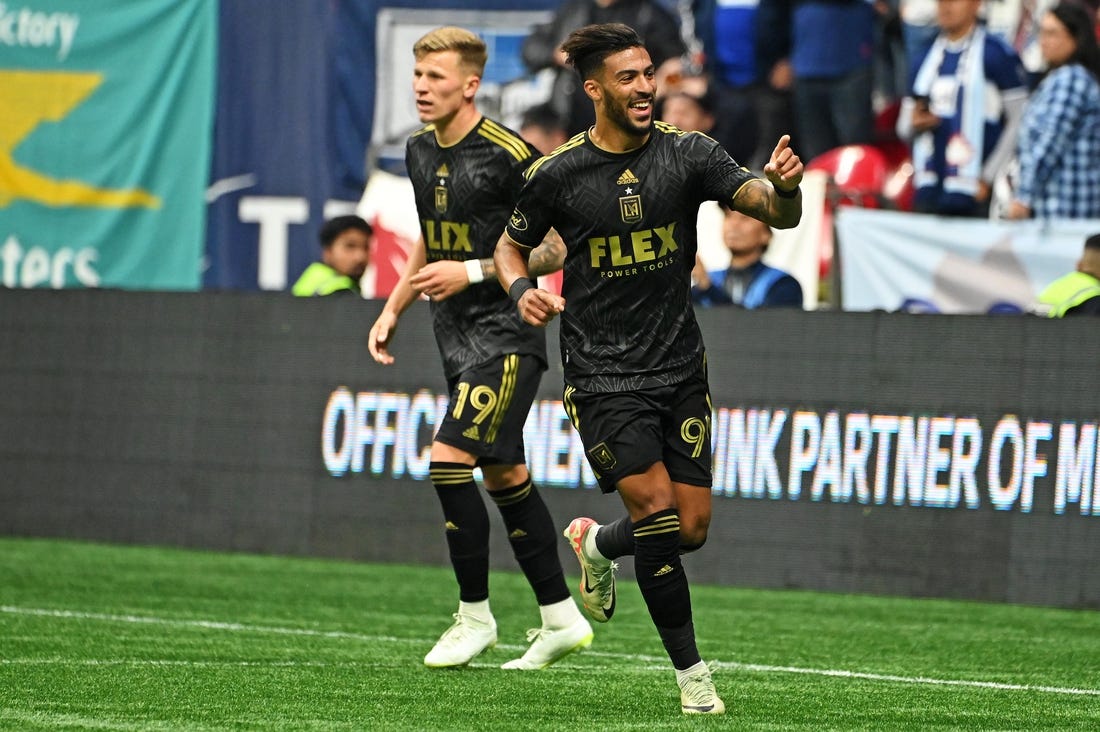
(1059, 143)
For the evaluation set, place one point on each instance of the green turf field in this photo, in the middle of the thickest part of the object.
(96, 637)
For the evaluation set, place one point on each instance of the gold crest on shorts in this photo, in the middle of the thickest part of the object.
(602, 456)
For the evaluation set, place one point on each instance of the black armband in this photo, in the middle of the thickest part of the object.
(520, 286)
(785, 194)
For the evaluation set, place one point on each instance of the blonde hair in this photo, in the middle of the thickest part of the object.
(471, 50)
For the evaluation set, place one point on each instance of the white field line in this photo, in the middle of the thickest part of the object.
(648, 663)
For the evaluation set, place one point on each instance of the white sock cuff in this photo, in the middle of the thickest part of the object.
(590, 547)
(559, 614)
(479, 610)
(682, 674)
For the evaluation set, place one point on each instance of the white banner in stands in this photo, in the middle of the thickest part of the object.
(921, 263)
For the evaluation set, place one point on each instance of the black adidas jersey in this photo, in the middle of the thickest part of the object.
(629, 225)
(464, 194)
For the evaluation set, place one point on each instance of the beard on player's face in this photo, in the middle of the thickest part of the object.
(617, 111)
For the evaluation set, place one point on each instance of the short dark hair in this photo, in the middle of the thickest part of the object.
(1093, 242)
(587, 47)
(336, 226)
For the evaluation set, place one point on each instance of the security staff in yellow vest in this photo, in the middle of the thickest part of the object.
(1077, 293)
(345, 254)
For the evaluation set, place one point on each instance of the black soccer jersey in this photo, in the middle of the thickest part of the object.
(464, 194)
(629, 225)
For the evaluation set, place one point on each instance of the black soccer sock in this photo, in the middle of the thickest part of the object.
(664, 585)
(534, 540)
(467, 524)
(616, 539)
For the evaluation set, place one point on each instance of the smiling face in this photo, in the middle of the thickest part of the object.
(624, 91)
(443, 86)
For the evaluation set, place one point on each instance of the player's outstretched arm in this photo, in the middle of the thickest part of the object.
(440, 280)
(536, 307)
(399, 300)
(780, 204)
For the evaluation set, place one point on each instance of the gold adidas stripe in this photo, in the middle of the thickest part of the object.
(504, 396)
(573, 142)
(514, 498)
(451, 476)
(654, 531)
(668, 129)
(664, 525)
(505, 139)
(571, 408)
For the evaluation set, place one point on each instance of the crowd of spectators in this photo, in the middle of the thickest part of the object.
(995, 106)
(986, 109)
(996, 103)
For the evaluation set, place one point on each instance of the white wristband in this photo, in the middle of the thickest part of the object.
(473, 271)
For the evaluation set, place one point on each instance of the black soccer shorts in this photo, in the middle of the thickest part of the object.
(489, 406)
(626, 432)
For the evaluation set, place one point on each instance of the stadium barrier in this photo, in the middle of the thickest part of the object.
(918, 455)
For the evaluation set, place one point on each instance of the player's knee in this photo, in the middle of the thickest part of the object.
(693, 534)
(686, 548)
(497, 477)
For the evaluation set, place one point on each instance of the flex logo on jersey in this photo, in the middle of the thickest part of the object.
(644, 245)
(447, 236)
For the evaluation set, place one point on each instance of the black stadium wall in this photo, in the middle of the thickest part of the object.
(922, 455)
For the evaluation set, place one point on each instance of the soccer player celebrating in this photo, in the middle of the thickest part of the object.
(466, 172)
(624, 198)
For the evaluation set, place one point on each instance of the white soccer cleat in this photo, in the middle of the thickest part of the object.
(460, 643)
(697, 693)
(597, 575)
(550, 645)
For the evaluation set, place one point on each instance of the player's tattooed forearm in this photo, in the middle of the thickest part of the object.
(547, 257)
(488, 268)
(758, 200)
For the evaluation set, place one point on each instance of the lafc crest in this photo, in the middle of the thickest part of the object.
(441, 190)
(603, 457)
(630, 206)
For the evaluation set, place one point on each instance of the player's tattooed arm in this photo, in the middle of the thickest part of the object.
(780, 204)
(545, 258)
(759, 200)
